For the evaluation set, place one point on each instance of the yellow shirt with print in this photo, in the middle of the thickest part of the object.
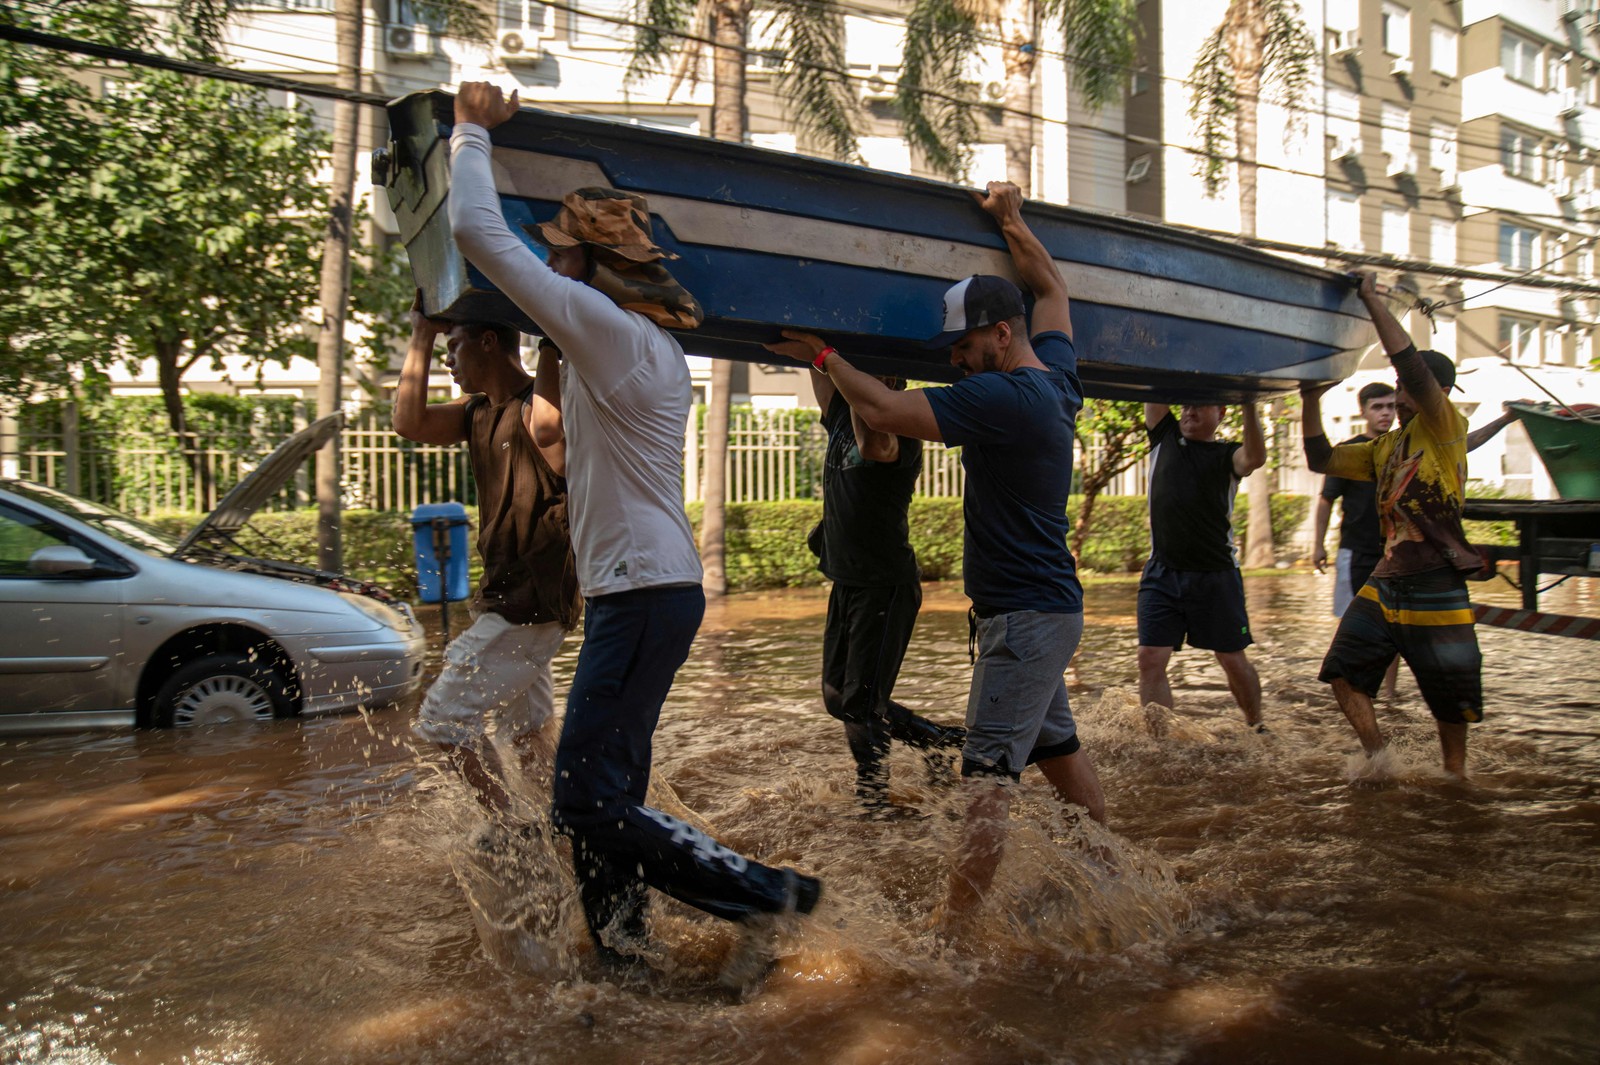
(1421, 470)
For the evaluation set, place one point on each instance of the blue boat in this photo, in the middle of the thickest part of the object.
(769, 240)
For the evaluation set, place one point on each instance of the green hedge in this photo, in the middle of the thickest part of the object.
(766, 541)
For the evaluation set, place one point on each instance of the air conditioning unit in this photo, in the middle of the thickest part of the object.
(1449, 183)
(518, 46)
(1400, 67)
(1346, 149)
(1566, 188)
(1403, 164)
(1571, 103)
(409, 42)
(1343, 44)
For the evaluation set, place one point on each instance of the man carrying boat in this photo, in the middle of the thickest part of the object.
(1012, 414)
(1360, 539)
(528, 599)
(1191, 588)
(625, 394)
(1415, 604)
(863, 545)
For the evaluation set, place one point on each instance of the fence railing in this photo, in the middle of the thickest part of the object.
(772, 455)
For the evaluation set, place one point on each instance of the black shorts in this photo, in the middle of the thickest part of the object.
(1427, 620)
(1204, 606)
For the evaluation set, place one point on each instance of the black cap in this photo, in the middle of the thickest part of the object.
(981, 300)
(1439, 364)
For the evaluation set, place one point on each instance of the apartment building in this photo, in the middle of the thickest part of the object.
(575, 57)
(1441, 140)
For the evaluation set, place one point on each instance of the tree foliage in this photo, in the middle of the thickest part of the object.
(937, 98)
(1260, 45)
(1111, 437)
(808, 40)
(164, 218)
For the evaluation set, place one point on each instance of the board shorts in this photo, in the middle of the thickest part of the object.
(496, 669)
(1205, 606)
(1017, 709)
(1425, 618)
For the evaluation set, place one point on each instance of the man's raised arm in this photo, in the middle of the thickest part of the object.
(1035, 266)
(413, 417)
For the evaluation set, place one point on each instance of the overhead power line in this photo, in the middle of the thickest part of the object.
(196, 68)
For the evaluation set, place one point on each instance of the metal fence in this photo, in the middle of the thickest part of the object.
(772, 455)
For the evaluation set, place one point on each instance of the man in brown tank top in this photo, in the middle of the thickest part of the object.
(528, 598)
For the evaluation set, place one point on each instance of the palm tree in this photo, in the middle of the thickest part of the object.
(937, 96)
(1260, 44)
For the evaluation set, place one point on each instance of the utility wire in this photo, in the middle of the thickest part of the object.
(1410, 196)
(269, 81)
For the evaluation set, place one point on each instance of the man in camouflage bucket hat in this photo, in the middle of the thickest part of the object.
(625, 261)
(625, 398)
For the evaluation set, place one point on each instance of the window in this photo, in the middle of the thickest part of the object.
(1519, 247)
(886, 153)
(1442, 46)
(1344, 115)
(1519, 58)
(1519, 154)
(1344, 220)
(1396, 30)
(522, 16)
(402, 13)
(1396, 131)
(612, 31)
(1442, 151)
(1397, 231)
(21, 535)
(1442, 240)
(1519, 339)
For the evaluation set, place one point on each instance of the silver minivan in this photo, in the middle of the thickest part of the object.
(107, 621)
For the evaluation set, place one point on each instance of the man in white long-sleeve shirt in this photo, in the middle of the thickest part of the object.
(625, 399)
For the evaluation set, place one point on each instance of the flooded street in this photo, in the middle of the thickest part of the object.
(286, 893)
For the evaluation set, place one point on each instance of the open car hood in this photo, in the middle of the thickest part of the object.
(216, 531)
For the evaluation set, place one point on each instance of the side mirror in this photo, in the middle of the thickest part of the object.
(60, 558)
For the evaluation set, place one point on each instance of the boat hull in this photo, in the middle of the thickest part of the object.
(1568, 442)
(768, 240)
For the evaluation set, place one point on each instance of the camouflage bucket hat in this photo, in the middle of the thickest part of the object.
(615, 226)
(605, 219)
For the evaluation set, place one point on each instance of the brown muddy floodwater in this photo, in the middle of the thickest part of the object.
(286, 893)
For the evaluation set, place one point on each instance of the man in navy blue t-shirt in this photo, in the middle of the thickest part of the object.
(1013, 415)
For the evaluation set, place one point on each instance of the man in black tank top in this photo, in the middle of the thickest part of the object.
(528, 598)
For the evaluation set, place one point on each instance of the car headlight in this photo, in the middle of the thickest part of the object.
(400, 620)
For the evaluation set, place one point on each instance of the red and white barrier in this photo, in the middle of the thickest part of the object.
(1534, 621)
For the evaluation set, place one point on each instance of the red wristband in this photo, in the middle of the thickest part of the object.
(822, 357)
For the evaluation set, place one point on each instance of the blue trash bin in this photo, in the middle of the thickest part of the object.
(439, 535)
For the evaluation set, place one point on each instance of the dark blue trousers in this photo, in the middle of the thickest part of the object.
(633, 644)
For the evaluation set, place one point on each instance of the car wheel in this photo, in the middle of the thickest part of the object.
(224, 688)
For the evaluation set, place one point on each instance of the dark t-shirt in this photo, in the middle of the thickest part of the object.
(864, 538)
(529, 576)
(1192, 486)
(1015, 432)
(1358, 528)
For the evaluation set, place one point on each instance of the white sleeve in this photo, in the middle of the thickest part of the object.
(599, 338)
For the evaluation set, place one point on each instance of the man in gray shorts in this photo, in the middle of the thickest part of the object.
(1013, 416)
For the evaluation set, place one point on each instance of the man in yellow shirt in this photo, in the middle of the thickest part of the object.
(1415, 604)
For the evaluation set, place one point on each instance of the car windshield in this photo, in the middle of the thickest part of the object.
(131, 531)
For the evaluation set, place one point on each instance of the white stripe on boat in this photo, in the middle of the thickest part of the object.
(537, 176)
